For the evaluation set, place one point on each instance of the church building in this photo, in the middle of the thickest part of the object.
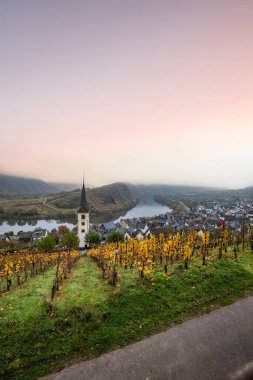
(83, 223)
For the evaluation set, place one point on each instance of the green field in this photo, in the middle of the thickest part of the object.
(94, 317)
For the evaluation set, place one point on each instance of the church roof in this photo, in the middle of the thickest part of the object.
(83, 202)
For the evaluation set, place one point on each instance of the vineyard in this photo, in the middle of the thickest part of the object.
(118, 294)
(153, 255)
(17, 268)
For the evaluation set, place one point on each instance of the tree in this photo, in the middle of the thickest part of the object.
(46, 244)
(93, 238)
(54, 233)
(9, 233)
(115, 237)
(70, 240)
(63, 230)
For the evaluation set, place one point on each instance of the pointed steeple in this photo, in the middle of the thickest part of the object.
(83, 202)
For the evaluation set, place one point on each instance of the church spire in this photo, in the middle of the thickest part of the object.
(83, 201)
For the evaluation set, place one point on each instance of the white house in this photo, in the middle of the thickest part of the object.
(39, 233)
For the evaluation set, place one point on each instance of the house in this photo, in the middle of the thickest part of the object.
(127, 232)
(25, 237)
(147, 234)
(141, 225)
(4, 238)
(107, 227)
(200, 233)
(127, 235)
(39, 233)
(138, 235)
(145, 229)
(124, 223)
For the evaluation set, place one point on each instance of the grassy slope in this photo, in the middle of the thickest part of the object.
(18, 207)
(65, 204)
(93, 317)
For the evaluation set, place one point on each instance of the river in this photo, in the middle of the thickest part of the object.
(30, 226)
(143, 209)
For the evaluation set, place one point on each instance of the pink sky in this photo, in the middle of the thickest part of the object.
(137, 91)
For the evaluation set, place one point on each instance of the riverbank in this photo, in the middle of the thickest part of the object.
(54, 221)
(96, 216)
(145, 208)
(175, 205)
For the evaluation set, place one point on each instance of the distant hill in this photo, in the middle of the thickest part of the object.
(105, 203)
(114, 196)
(14, 187)
(64, 186)
(33, 198)
(28, 197)
(147, 191)
(247, 192)
(188, 191)
(11, 186)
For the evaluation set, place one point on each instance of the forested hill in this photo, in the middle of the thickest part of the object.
(114, 196)
(11, 186)
(116, 193)
(196, 192)
(14, 187)
(147, 191)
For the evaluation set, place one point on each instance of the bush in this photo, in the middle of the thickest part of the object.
(115, 237)
(93, 238)
(70, 240)
(46, 244)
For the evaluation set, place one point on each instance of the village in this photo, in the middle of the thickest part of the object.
(206, 216)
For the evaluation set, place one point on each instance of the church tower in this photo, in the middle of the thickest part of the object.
(83, 224)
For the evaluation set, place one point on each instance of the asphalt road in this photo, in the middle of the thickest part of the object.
(202, 348)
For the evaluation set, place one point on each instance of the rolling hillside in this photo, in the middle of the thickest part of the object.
(105, 203)
(114, 196)
(31, 198)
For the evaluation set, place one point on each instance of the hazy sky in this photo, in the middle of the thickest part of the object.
(135, 90)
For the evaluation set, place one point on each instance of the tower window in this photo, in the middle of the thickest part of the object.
(83, 223)
(83, 231)
(83, 216)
